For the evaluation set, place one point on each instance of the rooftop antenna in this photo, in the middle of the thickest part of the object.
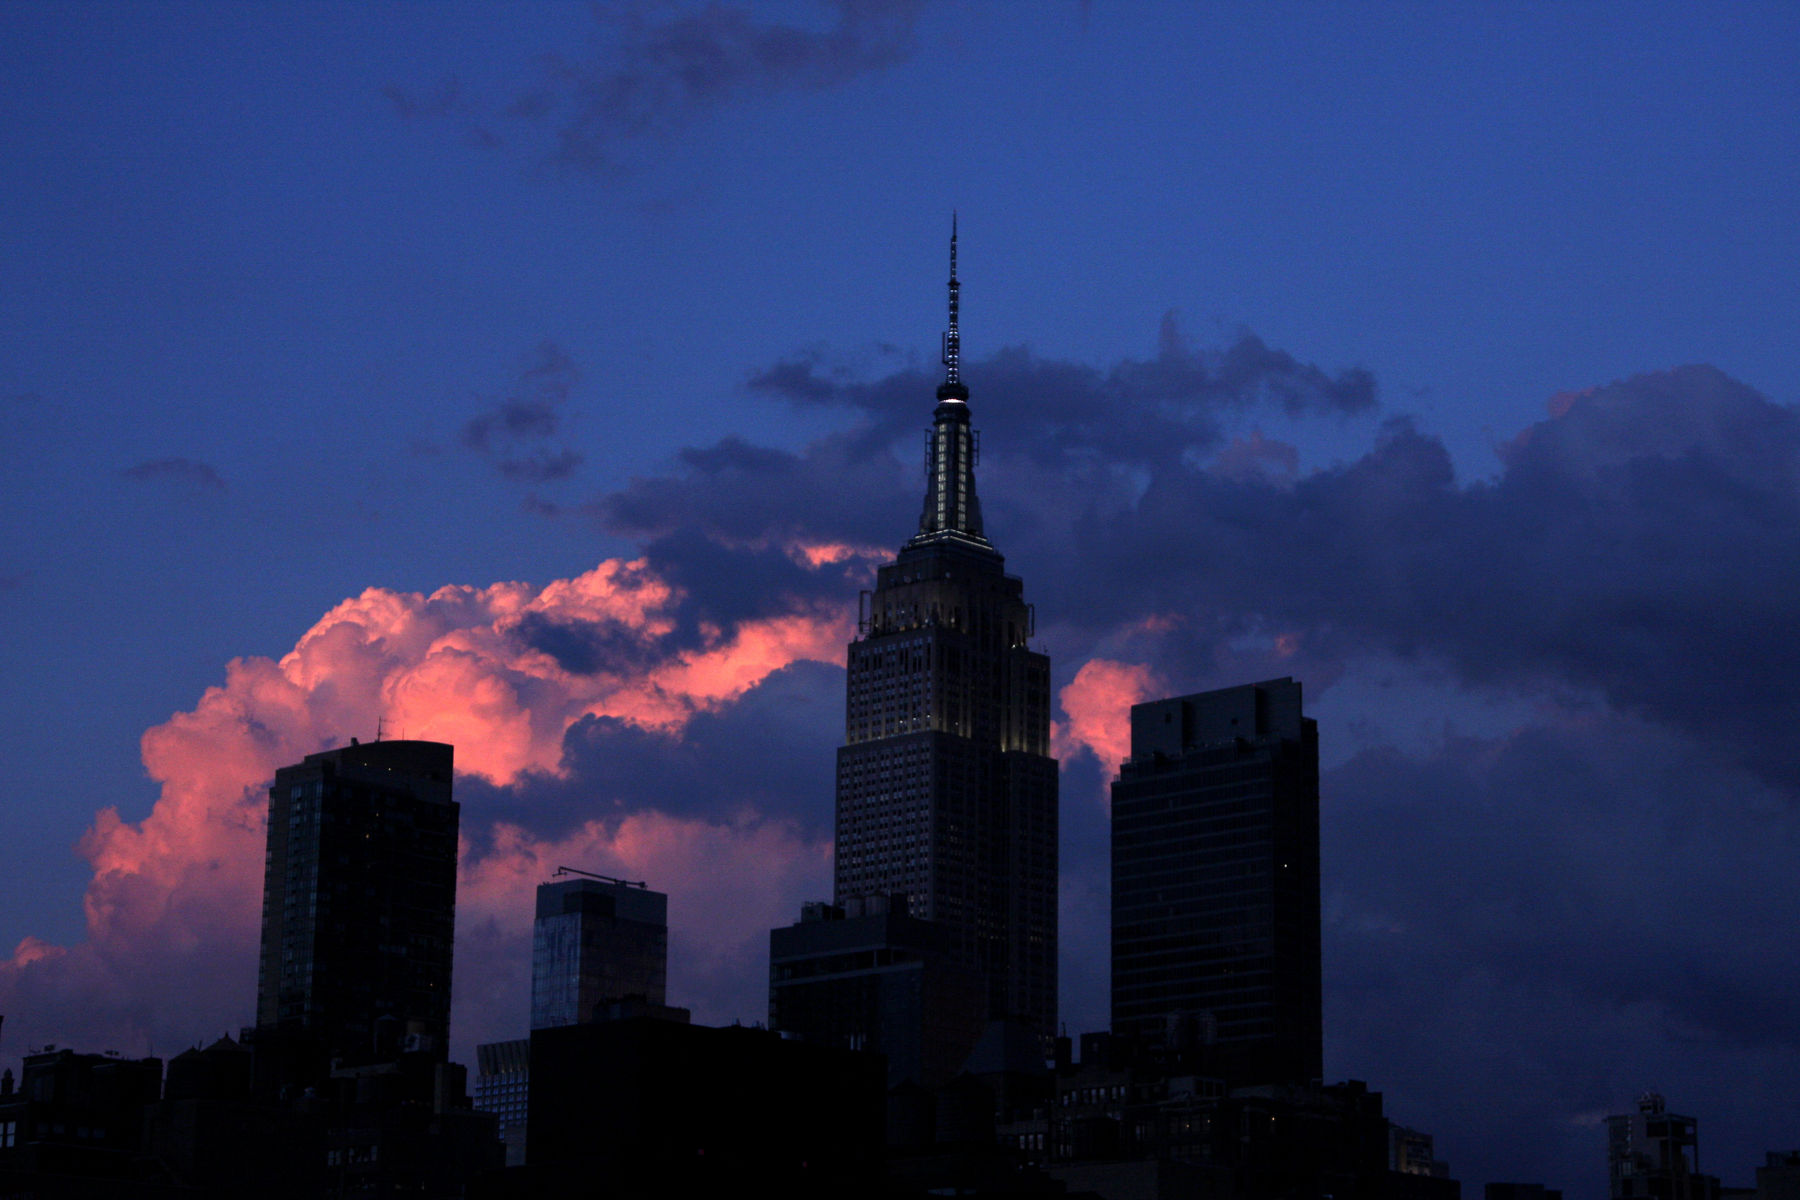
(378, 727)
(952, 338)
(636, 883)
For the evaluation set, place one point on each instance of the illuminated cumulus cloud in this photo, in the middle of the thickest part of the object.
(173, 906)
(1097, 704)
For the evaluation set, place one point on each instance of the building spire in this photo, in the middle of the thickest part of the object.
(952, 387)
(950, 449)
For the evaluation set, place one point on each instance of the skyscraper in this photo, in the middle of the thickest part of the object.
(596, 940)
(359, 903)
(945, 788)
(1215, 882)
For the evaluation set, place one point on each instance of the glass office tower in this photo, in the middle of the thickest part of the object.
(596, 940)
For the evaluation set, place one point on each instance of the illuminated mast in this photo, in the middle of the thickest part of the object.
(951, 507)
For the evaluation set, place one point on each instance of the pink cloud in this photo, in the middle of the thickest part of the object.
(824, 554)
(1097, 703)
(174, 904)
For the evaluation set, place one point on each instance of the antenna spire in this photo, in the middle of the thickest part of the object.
(952, 387)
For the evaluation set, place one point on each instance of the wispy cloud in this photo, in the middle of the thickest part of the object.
(514, 432)
(651, 70)
(182, 472)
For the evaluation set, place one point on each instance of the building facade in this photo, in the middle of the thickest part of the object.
(359, 905)
(596, 940)
(1215, 883)
(869, 977)
(502, 1087)
(1654, 1154)
(946, 790)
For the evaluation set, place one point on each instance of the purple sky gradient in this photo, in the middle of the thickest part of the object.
(1440, 357)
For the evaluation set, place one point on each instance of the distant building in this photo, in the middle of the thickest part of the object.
(75, 1125)
(946, 790)
(868, 977)
(1131, 1119)
(1410, 1151)
(599, 952)
(1655, 1153)
(1779, 1176)
(100, 1127)
(1215, 883)
(596, 941)
(359, 908)
(502, 1087)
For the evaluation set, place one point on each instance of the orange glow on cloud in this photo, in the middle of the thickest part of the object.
(452, 666)
(32, 950)
(824, 554)
(1098, 704)
(1155, 623)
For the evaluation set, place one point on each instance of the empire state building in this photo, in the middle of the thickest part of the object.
(946, 790)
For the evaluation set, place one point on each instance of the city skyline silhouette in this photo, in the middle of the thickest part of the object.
(497, 383)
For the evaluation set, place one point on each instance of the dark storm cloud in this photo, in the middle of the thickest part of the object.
(771, 753)
(1637, 541)
(724, 585)
(844, 487)
(183, 472)
(589, 647)
(511, 434)
(1076, 437)
(1575, 913)
(1140, 410)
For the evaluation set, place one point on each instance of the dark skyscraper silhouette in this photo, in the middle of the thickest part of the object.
(1215, 882)
(359, 903)
(945, 788)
